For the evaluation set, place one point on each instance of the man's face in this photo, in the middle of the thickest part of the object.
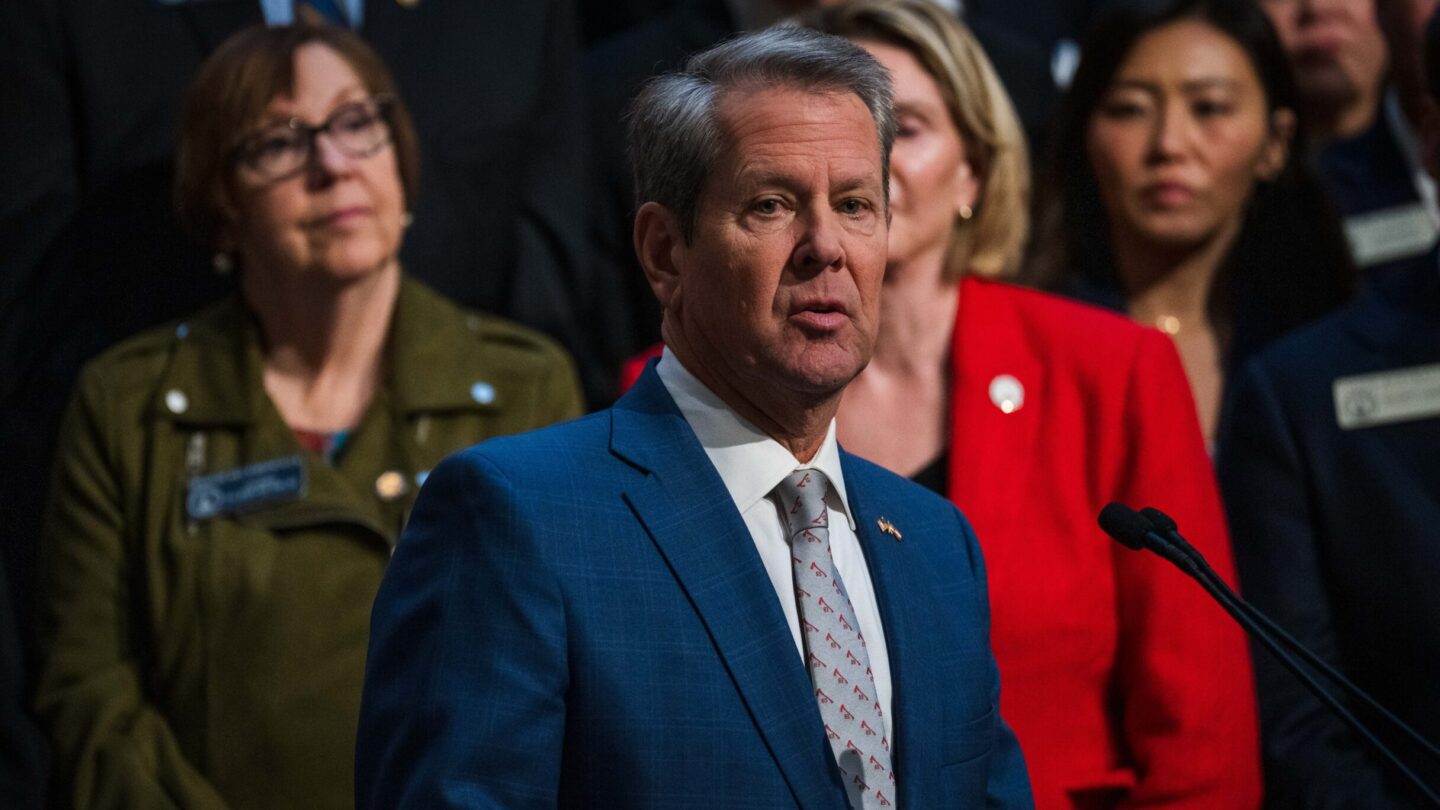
(1335, 46)
(779, 285)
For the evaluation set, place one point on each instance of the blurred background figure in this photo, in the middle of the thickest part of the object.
(228, 489)
(1056, 26)
(1357, 68)
(1330, 464)
(1177, 191)
(1030, 412)
(618, 67)
(22, 746)
(91, 252)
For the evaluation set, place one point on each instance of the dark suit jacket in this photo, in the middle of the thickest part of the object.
(89, 248)
(1337, 536)
(579, 615)
(23, 754)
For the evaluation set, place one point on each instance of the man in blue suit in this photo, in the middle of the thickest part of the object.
(696, 598)
(1330, 467)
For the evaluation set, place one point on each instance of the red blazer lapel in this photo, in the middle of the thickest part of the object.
(997, 389)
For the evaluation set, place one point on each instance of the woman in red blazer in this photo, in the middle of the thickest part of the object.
(1126, 686)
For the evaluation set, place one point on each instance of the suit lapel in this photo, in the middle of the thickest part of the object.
(902, 591)
(1399, 315)
(688, 513)
(990, 480)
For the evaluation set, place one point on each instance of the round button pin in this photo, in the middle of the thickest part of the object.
(483, 393)
(390, 485)
(1007, 393)
(176, 401)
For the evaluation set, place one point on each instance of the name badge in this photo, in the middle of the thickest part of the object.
(245, 488)
(1386, 397)
(1390, 233)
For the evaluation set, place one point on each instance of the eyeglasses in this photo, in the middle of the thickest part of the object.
(359, 129)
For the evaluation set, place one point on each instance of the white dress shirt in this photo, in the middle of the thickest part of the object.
(752, 464)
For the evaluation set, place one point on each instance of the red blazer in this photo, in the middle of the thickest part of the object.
(1126, 685)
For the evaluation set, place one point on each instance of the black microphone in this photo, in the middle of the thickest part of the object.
(1135, 531)
(1165, 525)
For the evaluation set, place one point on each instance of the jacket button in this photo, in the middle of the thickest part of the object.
(1007, 393)
(176, 401)
(483, 393)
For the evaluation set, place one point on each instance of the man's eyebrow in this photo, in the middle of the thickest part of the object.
(764, 177)
(858, 182)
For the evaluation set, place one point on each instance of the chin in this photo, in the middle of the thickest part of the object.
(1177, 231)
(824, 369)
(353, 265)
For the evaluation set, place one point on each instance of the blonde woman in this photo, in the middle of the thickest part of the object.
(1125, 686)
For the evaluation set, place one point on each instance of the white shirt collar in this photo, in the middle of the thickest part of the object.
(749, 462)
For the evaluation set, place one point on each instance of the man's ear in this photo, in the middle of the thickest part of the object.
(1276, 151)
(661, 249)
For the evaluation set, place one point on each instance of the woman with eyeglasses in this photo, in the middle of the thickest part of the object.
(229, 487)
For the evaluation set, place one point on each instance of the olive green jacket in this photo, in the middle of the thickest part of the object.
(204, 660)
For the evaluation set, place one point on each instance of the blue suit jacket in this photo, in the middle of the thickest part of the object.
(1337, 537)
(579, 616)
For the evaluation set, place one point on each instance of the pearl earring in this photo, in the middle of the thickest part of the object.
(966, 212)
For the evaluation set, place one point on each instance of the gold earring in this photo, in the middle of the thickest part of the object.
(966, 212)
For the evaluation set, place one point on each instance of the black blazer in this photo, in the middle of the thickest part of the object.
(1337, 537)
(90, 251)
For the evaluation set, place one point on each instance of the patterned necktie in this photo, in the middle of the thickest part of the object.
(330, 10)
(835, 652)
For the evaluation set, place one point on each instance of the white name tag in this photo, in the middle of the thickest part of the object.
(1385, 397)
(1390, 233)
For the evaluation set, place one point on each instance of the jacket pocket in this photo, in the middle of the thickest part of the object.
(968, 740)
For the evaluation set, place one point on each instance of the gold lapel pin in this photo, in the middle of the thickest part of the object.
(889, 528)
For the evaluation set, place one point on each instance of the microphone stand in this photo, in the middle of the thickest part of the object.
(1163, 523)
(1134, 531)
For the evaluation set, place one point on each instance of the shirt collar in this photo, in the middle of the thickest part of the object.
(282, 12)
(750, 463)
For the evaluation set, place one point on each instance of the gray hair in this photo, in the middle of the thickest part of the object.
(673, 137)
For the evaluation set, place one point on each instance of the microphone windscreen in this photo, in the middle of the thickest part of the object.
(1162, 522)
(1124, 524)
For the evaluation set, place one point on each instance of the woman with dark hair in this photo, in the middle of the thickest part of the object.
(1177, 189)
(228, 489)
